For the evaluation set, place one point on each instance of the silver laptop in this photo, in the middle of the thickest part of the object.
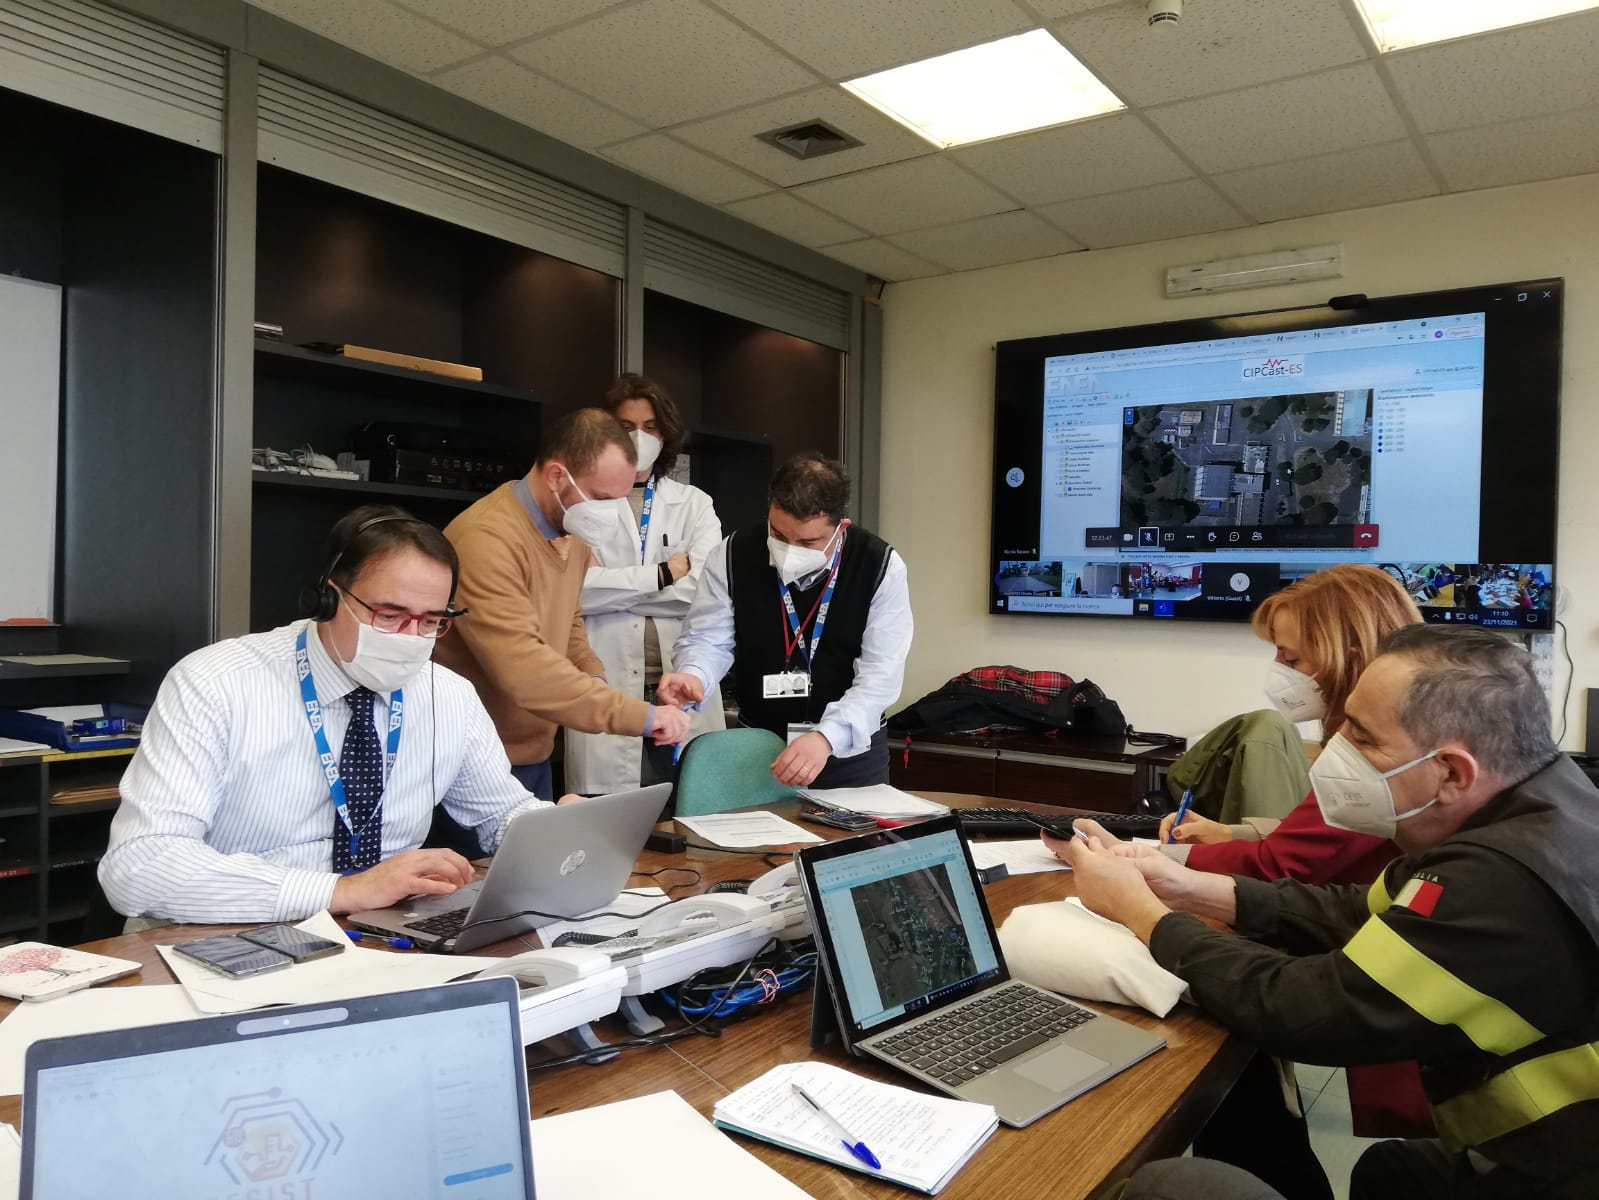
(417, 1094)
(913, 971)
(552, 863)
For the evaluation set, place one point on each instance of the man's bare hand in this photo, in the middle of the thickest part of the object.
(671, 725)
(435, 872)
(804, 759)
(678, 566)
(679, 689)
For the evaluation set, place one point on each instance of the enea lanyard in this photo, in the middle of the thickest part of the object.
(644, 518)
(798, 641)
(330, 768)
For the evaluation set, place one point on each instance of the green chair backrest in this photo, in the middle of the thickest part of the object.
(729, 768)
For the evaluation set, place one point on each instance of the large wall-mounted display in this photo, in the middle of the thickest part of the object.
(1189, 469)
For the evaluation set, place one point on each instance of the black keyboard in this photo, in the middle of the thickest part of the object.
(443, 926)
(1020, 822)
(971, 1040)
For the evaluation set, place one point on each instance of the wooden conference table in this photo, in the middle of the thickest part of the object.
(1152, 1110)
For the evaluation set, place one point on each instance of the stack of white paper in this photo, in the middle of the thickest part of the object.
(877, 800)
(1021, 856)
(922, 1141)
(746, 828)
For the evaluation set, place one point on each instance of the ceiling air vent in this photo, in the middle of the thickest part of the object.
(810, 140)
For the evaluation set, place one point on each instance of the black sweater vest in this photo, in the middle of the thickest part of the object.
(761, 630)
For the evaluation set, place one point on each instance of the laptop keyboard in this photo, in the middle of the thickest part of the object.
(444, 925)
(969, 1041)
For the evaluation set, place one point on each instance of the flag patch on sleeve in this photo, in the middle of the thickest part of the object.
(1420, 896)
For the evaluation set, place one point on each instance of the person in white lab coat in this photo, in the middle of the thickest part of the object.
(648, 568)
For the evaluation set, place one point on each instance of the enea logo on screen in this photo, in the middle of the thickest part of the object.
(1273, 368)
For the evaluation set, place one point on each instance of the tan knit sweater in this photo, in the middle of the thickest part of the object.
(523, 645)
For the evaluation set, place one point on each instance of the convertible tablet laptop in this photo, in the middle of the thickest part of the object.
(916, 978)
(420, 1093)
(562, 860)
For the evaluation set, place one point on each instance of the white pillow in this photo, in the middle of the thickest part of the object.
(1065, 948)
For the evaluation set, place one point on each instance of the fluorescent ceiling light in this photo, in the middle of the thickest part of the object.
(1397, 24)
(1015, 84)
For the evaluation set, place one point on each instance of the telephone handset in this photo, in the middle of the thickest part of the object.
(551, 967)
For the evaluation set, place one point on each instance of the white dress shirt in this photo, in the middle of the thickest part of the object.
(226, 816)
(705, 650)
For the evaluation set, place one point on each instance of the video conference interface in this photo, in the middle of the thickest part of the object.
(1183, 480)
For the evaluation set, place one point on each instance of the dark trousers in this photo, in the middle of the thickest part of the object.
(860, 770)
(1253, 1130)
(537, 778)
(1421, 1169)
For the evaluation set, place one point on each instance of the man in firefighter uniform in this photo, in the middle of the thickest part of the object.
(1476, 953)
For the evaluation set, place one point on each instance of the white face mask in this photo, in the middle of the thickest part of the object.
(648, 448)
(1297, 696)
(590, 520)
(386, 662)
(1354, 795)
(793, 563)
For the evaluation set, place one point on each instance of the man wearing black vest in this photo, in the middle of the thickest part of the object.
(813, 616)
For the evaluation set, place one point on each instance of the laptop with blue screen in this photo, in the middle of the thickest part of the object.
(416, 1094)
(916, 977)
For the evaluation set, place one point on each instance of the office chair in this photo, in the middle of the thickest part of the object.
(728, 768)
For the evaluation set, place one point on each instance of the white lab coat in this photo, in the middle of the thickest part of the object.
(617, 595)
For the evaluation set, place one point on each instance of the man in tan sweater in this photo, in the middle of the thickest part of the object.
(522, 577)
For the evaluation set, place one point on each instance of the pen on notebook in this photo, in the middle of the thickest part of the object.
(677, 747)
(395, 943)
(851, 1143)
(1182, 811)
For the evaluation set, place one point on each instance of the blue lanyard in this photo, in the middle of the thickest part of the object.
(644, 518)
(330, 768)
(810, 652)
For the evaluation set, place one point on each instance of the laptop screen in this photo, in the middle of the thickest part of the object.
(426, 1104)
(904, 921)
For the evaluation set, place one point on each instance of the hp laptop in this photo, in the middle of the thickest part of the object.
(417, 1094)
(552, 862)
(916, 978)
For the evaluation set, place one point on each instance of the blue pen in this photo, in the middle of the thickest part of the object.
(394, 943)
(851, 1143)
(677, 747)
(1182, 811)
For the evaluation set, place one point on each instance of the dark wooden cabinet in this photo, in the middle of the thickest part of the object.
(1103, 774)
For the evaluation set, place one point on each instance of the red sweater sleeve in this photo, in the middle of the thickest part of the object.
(1302, 847)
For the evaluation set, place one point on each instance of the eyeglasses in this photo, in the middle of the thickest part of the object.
(394, 620)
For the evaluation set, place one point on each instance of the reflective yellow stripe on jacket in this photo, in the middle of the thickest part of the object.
(1413, 978)
(1519, 1097)
(1377, 899)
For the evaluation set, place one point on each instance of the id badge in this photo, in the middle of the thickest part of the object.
(797, 730)
(785, 685)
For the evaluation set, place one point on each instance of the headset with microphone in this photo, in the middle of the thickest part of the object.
(320, 601)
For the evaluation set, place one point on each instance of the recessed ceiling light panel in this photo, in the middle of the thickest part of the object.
(1397, 24)
(1019, 83)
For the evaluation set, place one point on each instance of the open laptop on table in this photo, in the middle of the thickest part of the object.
(552, 862)
(916, 978)
(417, 1094)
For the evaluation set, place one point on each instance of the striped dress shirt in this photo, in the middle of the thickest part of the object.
(225, 814)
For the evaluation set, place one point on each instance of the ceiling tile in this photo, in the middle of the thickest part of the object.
(1331, 182)
(1276, 122)
(525, 96)
(498, 22)
(908, 195)
(1149, 214)
(1501, 77)
(685, 169)
(1519, 151)
(987, 241)
(1107, 154)
(1219, 45)
(883, 260)
(789, 217)
(846, 38)
(666, 61)
(392, 35)
(733, 136)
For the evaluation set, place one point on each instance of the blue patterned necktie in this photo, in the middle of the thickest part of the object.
(361, 768)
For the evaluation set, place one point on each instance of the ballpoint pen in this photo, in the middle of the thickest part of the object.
(394, 943)
(851, 1143)
(677, 747)
(1182, 811)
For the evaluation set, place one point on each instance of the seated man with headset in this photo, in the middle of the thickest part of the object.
(287, 772)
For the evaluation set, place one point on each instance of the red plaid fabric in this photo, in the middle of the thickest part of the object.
(1038, 686)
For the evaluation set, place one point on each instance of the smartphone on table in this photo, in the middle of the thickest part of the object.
(854, 822)
(230, 955)
(296, 943)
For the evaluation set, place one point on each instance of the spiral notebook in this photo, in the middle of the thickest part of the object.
(922, 1141)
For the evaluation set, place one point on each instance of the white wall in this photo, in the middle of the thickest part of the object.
(1183, 678)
